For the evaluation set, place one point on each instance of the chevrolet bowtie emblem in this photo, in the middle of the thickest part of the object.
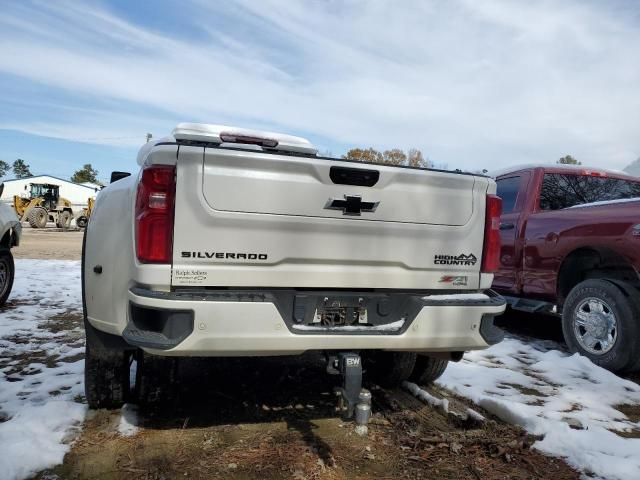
(351, 205)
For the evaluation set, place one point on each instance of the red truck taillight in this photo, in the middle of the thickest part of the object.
(154, 214)
(491, 250)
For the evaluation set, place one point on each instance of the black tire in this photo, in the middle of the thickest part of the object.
(155, 380)
(633, 294)
(64, 219)
(106, 372)
(389, 369)
(616, 346)
(427, 369)
(38, 217)
(81, 221)
(7, 274)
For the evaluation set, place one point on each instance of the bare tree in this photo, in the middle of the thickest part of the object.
(416, 159)
(393, 156)
(364, 155)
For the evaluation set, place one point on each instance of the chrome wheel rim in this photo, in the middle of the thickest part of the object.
(595, 326)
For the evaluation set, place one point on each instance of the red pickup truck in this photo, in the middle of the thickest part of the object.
(571, 246)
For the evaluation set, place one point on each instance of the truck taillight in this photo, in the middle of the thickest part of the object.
(491, 250)
(154, 214)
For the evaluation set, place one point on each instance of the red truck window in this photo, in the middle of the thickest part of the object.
(566, 190)
(508, 189)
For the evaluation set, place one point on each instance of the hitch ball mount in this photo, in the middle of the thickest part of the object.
(353, 400)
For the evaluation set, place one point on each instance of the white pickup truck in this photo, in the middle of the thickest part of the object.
(10, 231)
(233, 242)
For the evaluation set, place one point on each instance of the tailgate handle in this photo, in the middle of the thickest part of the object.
(354, 176)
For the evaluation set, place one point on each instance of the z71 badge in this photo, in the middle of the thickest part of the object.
(456, 281)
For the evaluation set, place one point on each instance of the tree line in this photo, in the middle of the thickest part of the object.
(395, 156)
(414, 158)
(21, 169)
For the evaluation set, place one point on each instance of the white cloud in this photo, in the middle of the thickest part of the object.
(474, 84)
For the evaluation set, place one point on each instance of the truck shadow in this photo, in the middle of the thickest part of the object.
(536, 325)
(208, 392)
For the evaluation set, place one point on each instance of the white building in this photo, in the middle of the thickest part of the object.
(76, 193)
(95, 186)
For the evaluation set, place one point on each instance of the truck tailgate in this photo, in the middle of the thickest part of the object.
(270, 220)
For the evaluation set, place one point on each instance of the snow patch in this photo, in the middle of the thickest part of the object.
(41, 366)
(389, 327)
(426, 397)
(128, 425)
(457, 296)
(37, 437)
(475, 415)
(565, 398)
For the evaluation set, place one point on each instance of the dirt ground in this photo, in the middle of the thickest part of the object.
(50, 244)
(275, 419)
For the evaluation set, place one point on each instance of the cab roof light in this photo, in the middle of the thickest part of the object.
(217, 134)
(248, 140)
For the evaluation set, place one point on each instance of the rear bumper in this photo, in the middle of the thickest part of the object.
(263, 323)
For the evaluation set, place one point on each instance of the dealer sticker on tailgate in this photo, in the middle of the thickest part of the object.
(189, 276)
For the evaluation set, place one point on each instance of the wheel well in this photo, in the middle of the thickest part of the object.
(586, 263)
(9, 239)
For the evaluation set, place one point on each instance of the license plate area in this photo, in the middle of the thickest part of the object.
(340, 311)
(352, 313)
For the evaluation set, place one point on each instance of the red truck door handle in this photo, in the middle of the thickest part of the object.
(507, 226)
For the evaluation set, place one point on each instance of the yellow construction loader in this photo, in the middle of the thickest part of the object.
(42, 205)
(83, 218)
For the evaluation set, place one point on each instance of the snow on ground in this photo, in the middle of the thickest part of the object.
(41, 366)
(389, 327)
(570, 402)
(426, 397)
(457, 296)
(128, 425)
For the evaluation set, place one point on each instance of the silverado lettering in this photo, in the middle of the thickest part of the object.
(223, 255)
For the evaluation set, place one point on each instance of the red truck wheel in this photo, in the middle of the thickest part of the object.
(600, 320)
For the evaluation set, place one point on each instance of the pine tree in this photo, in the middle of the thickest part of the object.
(21, 169)
(86, 174)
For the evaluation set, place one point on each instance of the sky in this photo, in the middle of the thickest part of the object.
(472, 84)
